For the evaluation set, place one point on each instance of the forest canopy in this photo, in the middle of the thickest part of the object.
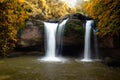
(106, 13)
(12, 18)
(48, 9)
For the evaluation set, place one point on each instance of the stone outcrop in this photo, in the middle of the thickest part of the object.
(30, 36)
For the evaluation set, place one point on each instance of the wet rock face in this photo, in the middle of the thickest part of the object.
(73, 37)
(80, 17)
(106, 42)
(111, 56)
(109, 42)
(110, 50)
(31, 36)
(31, 33)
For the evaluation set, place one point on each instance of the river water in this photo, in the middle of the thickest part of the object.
(30, 68)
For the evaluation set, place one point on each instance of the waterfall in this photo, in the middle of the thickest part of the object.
(50, 40)
(50, 29)
(87, 50)
(59, 36)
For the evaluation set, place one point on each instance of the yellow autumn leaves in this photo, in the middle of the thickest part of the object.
(49, 9)
(13, 14)
(12, 17)
(106, 12)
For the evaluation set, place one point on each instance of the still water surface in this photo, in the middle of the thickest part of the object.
(29, 68)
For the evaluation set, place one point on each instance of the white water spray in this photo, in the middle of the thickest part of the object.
(59, 36)
(87, 51)
(50, 43)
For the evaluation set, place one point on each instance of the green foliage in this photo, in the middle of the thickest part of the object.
(106, 12)
(12, 17)
(74, 26)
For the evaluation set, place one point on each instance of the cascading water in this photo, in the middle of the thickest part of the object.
(59, 36)
(50, 31)
(50, 42)
(87, 51)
